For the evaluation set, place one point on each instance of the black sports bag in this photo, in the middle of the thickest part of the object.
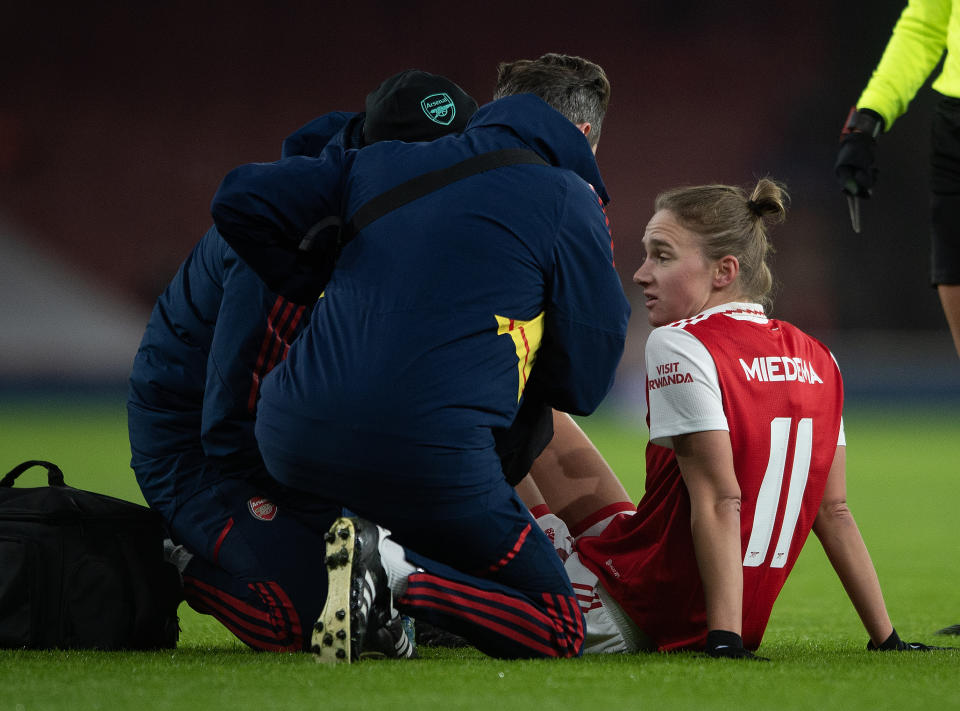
(82, 570)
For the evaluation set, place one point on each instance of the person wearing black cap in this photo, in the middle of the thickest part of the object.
(214, 333)
(393, 111)
(476, 275)
(415, 106)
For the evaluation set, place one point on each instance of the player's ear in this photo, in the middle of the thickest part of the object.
(727, 269)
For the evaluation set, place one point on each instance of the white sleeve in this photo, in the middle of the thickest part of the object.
(842, 438)
(683, 388)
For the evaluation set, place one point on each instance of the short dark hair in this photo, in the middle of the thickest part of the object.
(576, 87)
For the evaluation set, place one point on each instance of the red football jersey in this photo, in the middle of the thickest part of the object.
(781, 396)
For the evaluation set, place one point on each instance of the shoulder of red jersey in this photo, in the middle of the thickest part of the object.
(804, 358)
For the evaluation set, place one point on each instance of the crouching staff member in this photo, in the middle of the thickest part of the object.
(442, 316)
(250, 551)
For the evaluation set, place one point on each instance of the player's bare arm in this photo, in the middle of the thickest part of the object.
(847, 553)
(706, 463)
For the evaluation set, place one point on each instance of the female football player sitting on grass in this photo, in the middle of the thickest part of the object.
(746, 453)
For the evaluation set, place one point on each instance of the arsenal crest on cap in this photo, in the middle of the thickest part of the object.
(439, 108)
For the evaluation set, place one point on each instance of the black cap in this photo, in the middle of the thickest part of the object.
(416, 106)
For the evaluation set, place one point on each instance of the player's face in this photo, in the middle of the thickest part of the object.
(677, 279)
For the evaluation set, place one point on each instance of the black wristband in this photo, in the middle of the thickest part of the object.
(890, 644)
(865, 121)
(723, 638)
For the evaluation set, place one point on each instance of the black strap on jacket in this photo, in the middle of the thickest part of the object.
(427, 183)
(319, 249)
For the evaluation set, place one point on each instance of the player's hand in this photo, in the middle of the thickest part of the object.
(721, 643)
(893, 643)
(854, 168)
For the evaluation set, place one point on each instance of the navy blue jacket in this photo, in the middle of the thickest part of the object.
(213, 335)
(441, 314)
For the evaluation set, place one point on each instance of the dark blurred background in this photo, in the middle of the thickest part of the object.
(119, 119)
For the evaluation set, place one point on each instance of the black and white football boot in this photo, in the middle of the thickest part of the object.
(358, 620)
(431, 636)
(389, 640)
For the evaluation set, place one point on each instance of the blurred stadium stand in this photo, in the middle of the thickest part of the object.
(118, 120)
(59, 326)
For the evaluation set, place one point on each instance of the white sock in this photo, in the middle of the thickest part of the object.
(558, 533)
(396, 565)
(177, 555)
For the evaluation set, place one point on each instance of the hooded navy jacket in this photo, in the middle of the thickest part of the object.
(213, 334)
(443, 313)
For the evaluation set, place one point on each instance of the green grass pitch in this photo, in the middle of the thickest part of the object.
(903, 470)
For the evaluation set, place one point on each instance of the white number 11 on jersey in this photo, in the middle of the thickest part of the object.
(769, 496)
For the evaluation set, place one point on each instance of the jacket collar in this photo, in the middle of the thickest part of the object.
(545, 130)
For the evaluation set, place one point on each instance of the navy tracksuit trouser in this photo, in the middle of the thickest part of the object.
(489, 573)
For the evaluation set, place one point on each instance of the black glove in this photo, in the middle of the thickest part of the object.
(893, 643)
(721, 643)
(858, 145)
